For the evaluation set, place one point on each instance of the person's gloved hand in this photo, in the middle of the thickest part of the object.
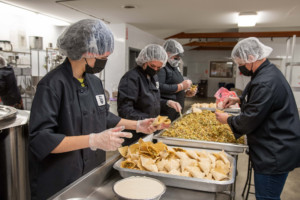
(145, 126)
(190, 93)
(186, 84)
(222, 117)
(230, 101)
(108, 140)
(175, 105)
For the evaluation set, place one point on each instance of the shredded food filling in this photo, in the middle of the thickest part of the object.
(202, 126)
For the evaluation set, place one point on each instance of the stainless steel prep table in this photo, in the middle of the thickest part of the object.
(98, 184)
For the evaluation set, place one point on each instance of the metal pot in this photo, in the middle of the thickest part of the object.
(14, 179)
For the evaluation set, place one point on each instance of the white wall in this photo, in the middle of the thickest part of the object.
(138, 39)
(126, 36)
(198, 63)
(17, 29)
(115, 67)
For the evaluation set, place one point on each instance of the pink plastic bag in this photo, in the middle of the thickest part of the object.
(221, 94)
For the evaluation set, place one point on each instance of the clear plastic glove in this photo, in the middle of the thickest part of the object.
(186, 84)
(145, 126)
(108, 140)
(230, 101)
(175, 105)
(190, 93)
(222, 117)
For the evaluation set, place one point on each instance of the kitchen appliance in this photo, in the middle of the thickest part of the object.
(14, 181)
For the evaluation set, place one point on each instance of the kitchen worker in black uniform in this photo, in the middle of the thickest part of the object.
(70, 123)
(171, 83)
(138, 94)
(9, 91)
(269, 117)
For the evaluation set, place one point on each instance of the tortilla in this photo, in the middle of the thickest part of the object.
(123, 151)
(128, 164)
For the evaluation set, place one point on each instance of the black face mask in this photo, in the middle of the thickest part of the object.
(98, 67)
(150, 71)
(245, 71)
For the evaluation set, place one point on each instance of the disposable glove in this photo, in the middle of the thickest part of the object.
(145, 126)
(175, 105)
(186, 84)
(108, 140)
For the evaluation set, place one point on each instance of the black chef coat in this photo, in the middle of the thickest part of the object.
(168, 78)
(269, 117)
(9, 91)
(138, 98)
(61, 107)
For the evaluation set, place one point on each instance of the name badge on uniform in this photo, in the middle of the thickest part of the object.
(157, 85)
(100, 99)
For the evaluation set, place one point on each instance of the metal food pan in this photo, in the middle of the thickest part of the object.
(232, 111)
(228, 147)
(182, 181)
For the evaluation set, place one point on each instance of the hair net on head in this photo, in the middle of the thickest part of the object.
(86, 38)
(3, 62)
(152, 52)
(250, 47)
(173, 47)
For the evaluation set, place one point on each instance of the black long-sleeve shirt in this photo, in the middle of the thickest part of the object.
(168, 78)
(138, 98)
(269, 117)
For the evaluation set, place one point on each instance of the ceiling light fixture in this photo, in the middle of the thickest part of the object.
(129, 6)
(246, 19)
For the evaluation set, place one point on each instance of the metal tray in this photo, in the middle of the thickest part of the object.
(182, 181)
(7, 112)
(228, 147)
(232, 111)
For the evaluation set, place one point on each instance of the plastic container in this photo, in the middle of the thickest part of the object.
(139, 188)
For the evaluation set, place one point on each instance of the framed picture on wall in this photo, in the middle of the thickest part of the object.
(221, 69)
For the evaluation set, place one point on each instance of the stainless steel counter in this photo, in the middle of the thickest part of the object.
(98, 184)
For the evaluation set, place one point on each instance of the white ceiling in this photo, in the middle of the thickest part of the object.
(167, 17)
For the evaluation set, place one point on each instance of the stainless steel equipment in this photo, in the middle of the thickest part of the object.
(7, 112)
(14, 182)
(228, 147)
(98, 185)
(182, 181)
(36, 42)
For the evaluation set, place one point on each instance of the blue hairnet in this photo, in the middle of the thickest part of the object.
(250, 46)
(86, 38)
(152, 52)
(173, 47)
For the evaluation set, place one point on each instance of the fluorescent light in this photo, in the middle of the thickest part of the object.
(247, 19)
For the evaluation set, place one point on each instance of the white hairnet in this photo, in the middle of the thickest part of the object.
(86, 38)
(152, 52)
(173, 47)
(250, 46)
(3, 62)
